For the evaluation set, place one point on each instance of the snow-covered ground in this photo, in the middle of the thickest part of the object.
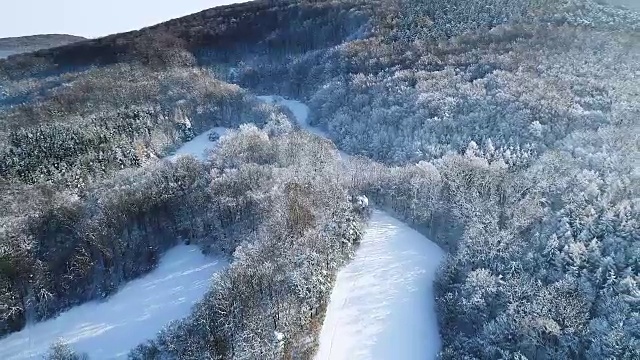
(382, 305)
(109, 329)
(199, 146)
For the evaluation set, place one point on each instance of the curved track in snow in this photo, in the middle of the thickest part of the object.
(382, 305)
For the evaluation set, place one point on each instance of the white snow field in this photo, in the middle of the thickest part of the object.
(382, 304)
(199, 146)
(109, 329)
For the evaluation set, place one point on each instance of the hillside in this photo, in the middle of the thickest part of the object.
(506, 131)
(16, 45)
(229, 30)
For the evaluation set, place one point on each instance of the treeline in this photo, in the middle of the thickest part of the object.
(102, 120)
(80, 247)
(223, 32)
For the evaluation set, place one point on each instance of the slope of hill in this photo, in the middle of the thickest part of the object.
(504, 130)
(17, 45)
(263, 26)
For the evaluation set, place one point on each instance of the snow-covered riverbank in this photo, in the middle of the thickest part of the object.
(382, 305)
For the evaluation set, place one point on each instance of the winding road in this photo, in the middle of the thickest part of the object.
(382, 304)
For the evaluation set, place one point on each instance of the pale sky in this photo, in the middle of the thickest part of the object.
(90, 18)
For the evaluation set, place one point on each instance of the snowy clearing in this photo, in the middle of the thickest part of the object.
(382, 305)
(199, 146)
(109, 329)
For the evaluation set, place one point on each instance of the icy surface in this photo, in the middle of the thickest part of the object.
(199, 146)
(382, 305)
(111, 328)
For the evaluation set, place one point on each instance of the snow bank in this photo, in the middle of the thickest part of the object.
(199, 146)
(111, 328)
(382, 305)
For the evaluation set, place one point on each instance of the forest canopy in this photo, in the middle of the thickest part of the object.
(505, 130)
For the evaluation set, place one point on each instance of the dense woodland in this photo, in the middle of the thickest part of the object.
(517, 150)
(65, 148)
(506, 130)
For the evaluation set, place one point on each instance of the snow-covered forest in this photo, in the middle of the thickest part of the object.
(506, 131)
